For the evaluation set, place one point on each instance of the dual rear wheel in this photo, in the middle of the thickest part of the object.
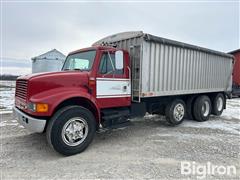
(198, 108)
(202, 108)
(218, 104)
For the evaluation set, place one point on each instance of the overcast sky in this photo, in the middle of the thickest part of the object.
(30, 29)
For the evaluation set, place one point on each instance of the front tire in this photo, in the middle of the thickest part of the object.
(71, 130)
(175, 112)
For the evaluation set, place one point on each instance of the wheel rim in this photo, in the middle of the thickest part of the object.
(206, 108)
(178, 112)
(75, 131)
(219, 104)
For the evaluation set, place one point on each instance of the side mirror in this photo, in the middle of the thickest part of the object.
(119, 59)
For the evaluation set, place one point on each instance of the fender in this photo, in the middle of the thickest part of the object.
(54, 97)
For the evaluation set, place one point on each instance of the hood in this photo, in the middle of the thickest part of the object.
(40, 82)
(41, 74)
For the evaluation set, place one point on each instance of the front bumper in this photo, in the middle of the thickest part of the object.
(30, 123)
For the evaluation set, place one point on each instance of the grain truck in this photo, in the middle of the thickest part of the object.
(120, 77)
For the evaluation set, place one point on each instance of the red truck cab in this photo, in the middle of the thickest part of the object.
(91, 79)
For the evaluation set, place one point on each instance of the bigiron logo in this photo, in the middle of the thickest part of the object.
(203, 170)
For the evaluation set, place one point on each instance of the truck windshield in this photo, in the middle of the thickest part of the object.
(82, 61)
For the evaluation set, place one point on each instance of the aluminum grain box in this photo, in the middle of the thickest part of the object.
(163, 67)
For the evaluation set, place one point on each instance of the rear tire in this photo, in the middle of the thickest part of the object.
(189, 107)
(202, 108)
(71, 130)
(218, 104)
(175, 112)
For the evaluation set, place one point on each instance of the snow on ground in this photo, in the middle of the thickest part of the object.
(229, 121)
(7, 99)
(227, 126)
(233, 109)
(7, 91)
(6, 111)
(9, 123)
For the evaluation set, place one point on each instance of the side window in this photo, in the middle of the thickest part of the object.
(103, 65)
(106, 66)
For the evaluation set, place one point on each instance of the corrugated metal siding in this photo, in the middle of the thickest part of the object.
(50, 61)
(169, 67)
(45, 65)
(170, 70)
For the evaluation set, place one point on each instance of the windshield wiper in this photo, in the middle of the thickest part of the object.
(76, 69)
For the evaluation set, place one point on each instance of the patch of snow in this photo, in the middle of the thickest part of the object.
(232, 109)
(5, 112)
(7, 95)
(8, 123)
(233, 127)
(181, 136)
(8, 83)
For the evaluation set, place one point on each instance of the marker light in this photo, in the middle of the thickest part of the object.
(41, 107)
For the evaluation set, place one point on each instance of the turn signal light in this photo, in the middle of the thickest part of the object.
(41, 107)
(91, 81)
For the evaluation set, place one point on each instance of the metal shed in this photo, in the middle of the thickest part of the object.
(48, 62)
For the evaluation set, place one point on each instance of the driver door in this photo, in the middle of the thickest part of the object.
(113, 87)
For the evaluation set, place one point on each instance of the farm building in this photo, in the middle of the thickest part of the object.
(236, 73)
(48, 62)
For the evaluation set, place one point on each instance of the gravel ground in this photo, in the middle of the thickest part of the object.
(147, 149)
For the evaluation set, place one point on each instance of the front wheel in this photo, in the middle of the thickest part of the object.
(71, 130)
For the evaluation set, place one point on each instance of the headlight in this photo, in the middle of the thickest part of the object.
(32, 106)
(38, 107)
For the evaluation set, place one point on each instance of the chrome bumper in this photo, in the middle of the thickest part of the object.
(30, 123)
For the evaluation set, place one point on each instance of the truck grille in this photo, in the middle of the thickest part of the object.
(21, 89)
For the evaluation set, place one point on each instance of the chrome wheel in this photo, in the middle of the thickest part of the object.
(219, 103)
(75, 131)
(178, 112)
(206, 108)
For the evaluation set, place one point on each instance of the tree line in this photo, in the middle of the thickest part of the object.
(8, 77)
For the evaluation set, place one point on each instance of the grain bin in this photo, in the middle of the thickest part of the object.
(48, 62)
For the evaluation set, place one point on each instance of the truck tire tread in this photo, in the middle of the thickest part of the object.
(197, 108)
(215, 110)
(169, 112)
(52, 130)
